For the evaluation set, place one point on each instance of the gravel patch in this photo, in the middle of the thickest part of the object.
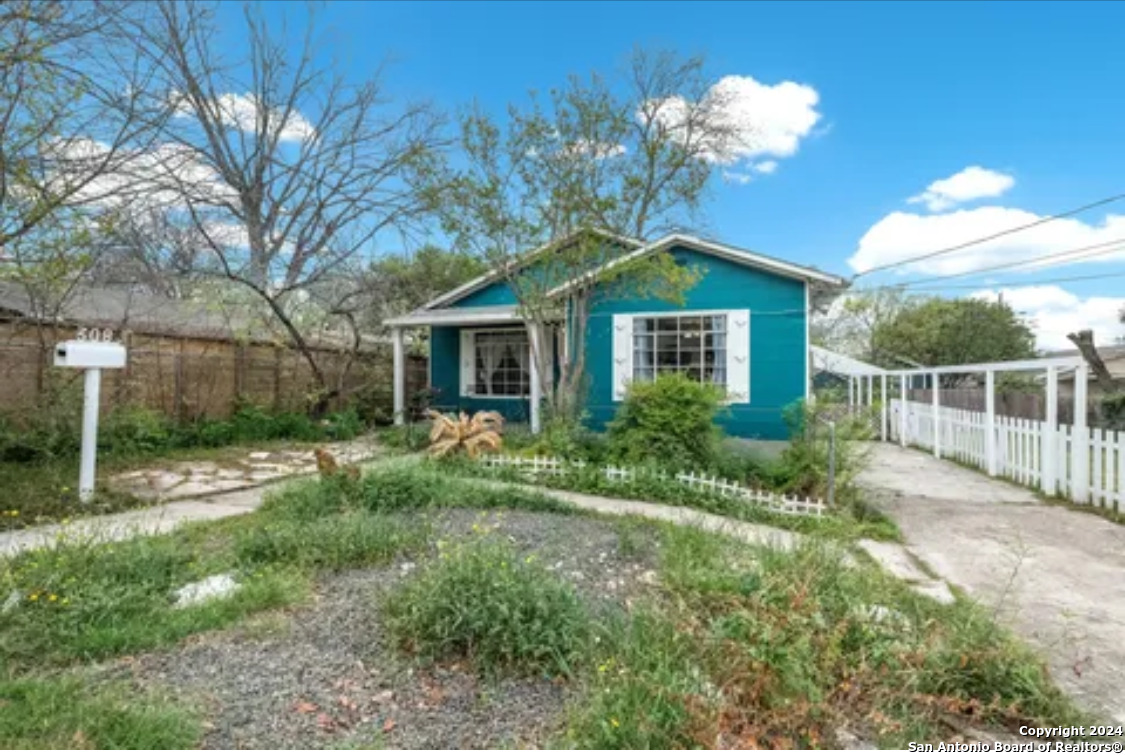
(322, 675)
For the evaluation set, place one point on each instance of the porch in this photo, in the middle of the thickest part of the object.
(481, 358)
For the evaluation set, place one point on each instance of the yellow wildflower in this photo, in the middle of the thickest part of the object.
(52, 597)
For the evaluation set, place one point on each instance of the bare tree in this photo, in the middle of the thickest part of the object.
(631, 157)
(74, 112)
(287, 173)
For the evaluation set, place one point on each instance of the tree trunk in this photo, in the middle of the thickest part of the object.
(1084, 340)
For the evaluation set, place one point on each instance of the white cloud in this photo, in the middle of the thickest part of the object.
(766, 166)
(765, 120)
(971, 183)
(1054, 312)
(241, 111)
(599, 150)
(902, 235)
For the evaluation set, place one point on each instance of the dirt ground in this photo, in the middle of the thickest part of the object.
(1054, 575)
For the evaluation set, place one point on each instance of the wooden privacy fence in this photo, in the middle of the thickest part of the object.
(190, 378)
(534, 466)
(1027, 451)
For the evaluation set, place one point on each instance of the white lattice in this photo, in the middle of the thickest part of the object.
(533, 466)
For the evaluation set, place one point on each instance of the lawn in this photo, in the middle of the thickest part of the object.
(412, 609)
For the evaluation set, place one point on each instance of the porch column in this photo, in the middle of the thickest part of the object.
(990, 422)
(536, 342)
(1080, 440)
(851, 391)
(883, 405)
(902, 381)
(1049, 452)
(399, 376)
(937, 415)
(870, 391)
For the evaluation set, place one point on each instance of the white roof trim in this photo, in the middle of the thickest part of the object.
(734, 254)
(457, 316)
(825, 360)
(493, 275)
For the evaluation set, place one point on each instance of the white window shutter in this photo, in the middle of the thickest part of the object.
(738, 356)
(622, 354)
(468, 363)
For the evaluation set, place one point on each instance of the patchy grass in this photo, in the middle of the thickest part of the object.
(737, 646)
(46, 490)
(857, 522)
(484, 602)
(762, 648)
(62, 713)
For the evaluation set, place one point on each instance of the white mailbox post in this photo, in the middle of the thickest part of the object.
(92, 356)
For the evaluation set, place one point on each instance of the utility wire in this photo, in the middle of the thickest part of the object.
(990, 237)
(1079, 253)
(1040, 282)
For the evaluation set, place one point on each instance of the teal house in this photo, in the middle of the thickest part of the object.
(744, 325)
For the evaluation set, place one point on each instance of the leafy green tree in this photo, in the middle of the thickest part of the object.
(956, 331)
(631, 156)
(401, 283)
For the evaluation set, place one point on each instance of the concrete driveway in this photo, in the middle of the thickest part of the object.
(1055, 576)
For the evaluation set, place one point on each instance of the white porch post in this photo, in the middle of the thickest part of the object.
(990, 421)
(902, 381)
(1050, 448)
(399, 376)
(1080, 440)
(883, 399)
(870, 390)
(851, 391)
(937, 414)
(534, 337)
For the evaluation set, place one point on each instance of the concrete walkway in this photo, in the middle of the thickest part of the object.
(1053, 575)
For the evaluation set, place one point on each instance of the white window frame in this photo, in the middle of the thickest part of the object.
(469, 357)
(737, 349)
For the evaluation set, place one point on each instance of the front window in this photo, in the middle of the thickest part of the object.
(694, 345)
(502, 362)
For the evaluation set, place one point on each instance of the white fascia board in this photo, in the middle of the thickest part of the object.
(1020, 365)
(468, 316)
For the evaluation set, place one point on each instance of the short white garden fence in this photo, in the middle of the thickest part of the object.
(535, 466)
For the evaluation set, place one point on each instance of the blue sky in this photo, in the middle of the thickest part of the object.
(905, 95)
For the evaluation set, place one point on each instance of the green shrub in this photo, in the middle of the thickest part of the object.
(803, 466)
(67, 713)
(484, 602)
(134, 431)
(409, 437)
(670, 418)
(343, 425)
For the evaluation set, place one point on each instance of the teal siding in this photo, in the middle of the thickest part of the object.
(777, 342)
(445, 379)
(493, 295)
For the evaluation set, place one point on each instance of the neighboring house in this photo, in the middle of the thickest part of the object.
(743, 326)
(1114, 358)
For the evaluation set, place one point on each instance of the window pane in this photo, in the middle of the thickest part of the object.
(642, 325)
(718, 323)
(667, 325)
(503, 363)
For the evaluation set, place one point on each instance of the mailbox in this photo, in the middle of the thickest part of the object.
(97, 355)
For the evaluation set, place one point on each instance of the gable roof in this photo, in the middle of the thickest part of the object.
(476, 284)
(732, 253)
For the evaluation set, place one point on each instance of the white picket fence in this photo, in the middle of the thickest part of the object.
(1022, 454)
(533, 466)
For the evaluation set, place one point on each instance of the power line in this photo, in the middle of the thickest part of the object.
(1079, 253)
(1069, 279)
(990, 237)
